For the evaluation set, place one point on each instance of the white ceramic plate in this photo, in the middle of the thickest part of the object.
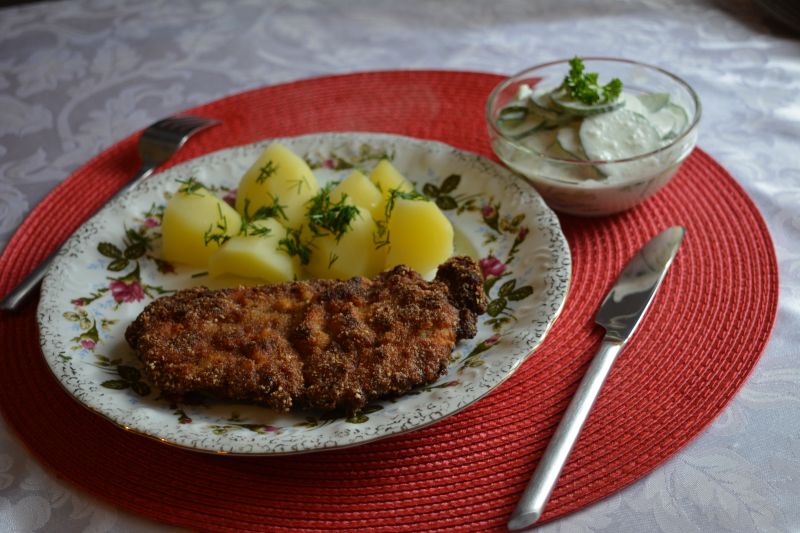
(109, 270)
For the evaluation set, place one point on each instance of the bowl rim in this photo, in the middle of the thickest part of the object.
(593, 162)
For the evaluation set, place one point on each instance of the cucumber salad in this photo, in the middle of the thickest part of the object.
(582, 120)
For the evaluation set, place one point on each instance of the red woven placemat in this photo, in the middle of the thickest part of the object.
(703, 336)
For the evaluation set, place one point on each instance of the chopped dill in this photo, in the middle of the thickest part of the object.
(262, 213)
(324, 215)
(294, 246)
(266, 172)
(190, 186)
(251, 230)
(381, 237)
(394, 194)
(218, 232)
(332, 259)
(298, 183)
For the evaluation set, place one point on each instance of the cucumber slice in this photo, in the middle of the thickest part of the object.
(681, 120)
(569, 172)
(563, 102)
(632, 103)
(653, 102)
(534, 124)
(557, 151)
(512, 115)
(542, 126)
(517, 121)
(541, 103)
(569, 141)
(618, 135)
(670, 121)
(663, 122)
(540, 141)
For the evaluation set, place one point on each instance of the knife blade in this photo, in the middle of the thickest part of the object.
(620, 314)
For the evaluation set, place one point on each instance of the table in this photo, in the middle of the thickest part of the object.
(78, 76)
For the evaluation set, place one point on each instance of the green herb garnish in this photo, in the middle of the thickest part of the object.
(332, 259)
(394, 194)
(265, 211)
(190, 187)
(266, 172)
(252, 230)
(218, 232)
(298, 183)
(292, 245)
(381, 236)
(326, 216)
(584, 87)
(262, 213)
(276, 210)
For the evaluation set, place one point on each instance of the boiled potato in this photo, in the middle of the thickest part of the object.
(354, 254)
(387, 179)
(195, 223)
(278, 176)
(361, 191)
(256, 256)
(420, 236)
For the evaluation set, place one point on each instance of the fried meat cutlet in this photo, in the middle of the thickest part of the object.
(319, 343)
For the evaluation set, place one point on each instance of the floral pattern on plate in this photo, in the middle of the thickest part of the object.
(111, 268)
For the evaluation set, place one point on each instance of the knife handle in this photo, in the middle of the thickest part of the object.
(533, 500)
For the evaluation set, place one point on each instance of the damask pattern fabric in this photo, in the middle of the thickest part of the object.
(76, 76)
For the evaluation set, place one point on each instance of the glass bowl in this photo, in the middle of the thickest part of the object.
(601, 186)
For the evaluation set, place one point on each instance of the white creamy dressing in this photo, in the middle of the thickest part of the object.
(626, 128)
(621, 134)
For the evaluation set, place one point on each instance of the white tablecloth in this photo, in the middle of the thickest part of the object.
(76, 76)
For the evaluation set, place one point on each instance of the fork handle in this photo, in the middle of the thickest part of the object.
(144, 172)
(15, 298)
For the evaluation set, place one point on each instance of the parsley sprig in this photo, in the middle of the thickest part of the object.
(585, 88)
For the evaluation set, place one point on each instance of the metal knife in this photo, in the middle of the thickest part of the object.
(620, 314)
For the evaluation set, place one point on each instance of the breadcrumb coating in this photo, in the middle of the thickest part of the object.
(326, 344)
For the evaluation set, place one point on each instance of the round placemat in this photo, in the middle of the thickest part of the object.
(703, 336)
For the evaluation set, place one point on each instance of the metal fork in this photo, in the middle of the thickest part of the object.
(156, 145)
